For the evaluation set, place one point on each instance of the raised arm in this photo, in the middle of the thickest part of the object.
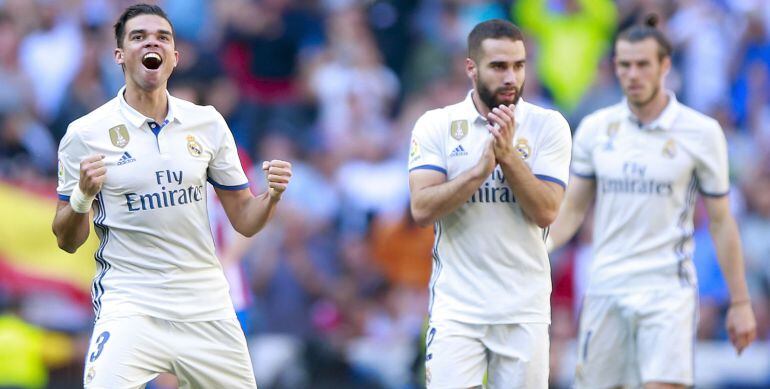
(70, 225)
(579, 197)
(539, 196)
(248, 213)
(432, 196)
(741, 325)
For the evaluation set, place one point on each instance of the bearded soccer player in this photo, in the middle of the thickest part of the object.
(141, 162)
(641, 162)
(490, 173)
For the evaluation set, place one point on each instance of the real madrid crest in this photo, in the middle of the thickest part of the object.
(119, 136)
(458, 129)
(669, 149)
(193, 147)
(522, 146)
(612, 130)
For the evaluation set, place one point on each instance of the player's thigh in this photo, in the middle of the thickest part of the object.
(666, 337)
(212, 354)
(125, 353)
(454, 355)
(605, 345)
(518, 356)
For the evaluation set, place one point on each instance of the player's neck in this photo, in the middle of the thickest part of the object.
(648, 112)
(480, 106)
(153, 104)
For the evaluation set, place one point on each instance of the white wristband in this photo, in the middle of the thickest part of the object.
(79, 202)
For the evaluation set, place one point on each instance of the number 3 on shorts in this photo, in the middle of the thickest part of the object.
(100, 341)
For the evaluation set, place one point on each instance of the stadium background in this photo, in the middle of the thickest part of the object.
(337, 284)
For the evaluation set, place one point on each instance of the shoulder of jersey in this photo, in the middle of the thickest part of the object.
(438, 117)
(543, 113)
(697, 120)
(105, 113)
(196, 114)
(602, 116)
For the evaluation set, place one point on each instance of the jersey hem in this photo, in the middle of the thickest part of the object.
(707, 194)
(582, 175)
(227, 187)
(429, 167)
(551, 179)
(534, 319)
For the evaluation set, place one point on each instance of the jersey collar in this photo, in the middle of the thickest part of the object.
(664, 122)
(136, 118)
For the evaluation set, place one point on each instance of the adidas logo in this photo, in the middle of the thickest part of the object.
(126, 158)
(459, 151)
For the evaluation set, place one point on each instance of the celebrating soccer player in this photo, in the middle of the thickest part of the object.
(141, 162)
(490, 172)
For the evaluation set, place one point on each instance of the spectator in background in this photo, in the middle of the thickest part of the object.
(46, 56)
(354, 89)
(16, 93)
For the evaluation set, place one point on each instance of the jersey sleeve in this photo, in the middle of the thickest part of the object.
(427, 150)
(225, 170)
(552, 162)
(72, 150)
(582, 160)
(712, 168)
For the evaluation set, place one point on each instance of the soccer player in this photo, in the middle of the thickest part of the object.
(490, 173)
(643, 160)
(160, 297)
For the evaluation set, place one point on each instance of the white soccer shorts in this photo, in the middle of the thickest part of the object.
(130, 351)
(635, 338)
(512, 355)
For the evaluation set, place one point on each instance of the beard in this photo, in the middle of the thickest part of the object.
(642, 102)
(490, 97)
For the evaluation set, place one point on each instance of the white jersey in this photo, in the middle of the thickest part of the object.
(490, 262)
(156, 255)
(646, 181)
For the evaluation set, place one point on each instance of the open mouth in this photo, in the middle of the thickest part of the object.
(152, 61)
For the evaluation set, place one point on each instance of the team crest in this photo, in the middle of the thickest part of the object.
(414, 151)
(522, 146)
(612, 131)
(193, 147)
(458, 129)
(61, 172)
(669, 149)
(90, 375)
(119, 136)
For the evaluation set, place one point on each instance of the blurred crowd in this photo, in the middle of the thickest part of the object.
(335, 288)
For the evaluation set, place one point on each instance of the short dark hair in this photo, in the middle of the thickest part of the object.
(647, 30)
(132, 12)
(491, 29)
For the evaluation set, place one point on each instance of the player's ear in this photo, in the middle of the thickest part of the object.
(176, 57)
(119, 59)
(665, 64)
(470, 68)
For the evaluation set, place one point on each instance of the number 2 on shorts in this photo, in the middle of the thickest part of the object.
(100, 341)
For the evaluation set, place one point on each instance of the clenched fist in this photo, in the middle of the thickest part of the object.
(92, 174)
(278, 174)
